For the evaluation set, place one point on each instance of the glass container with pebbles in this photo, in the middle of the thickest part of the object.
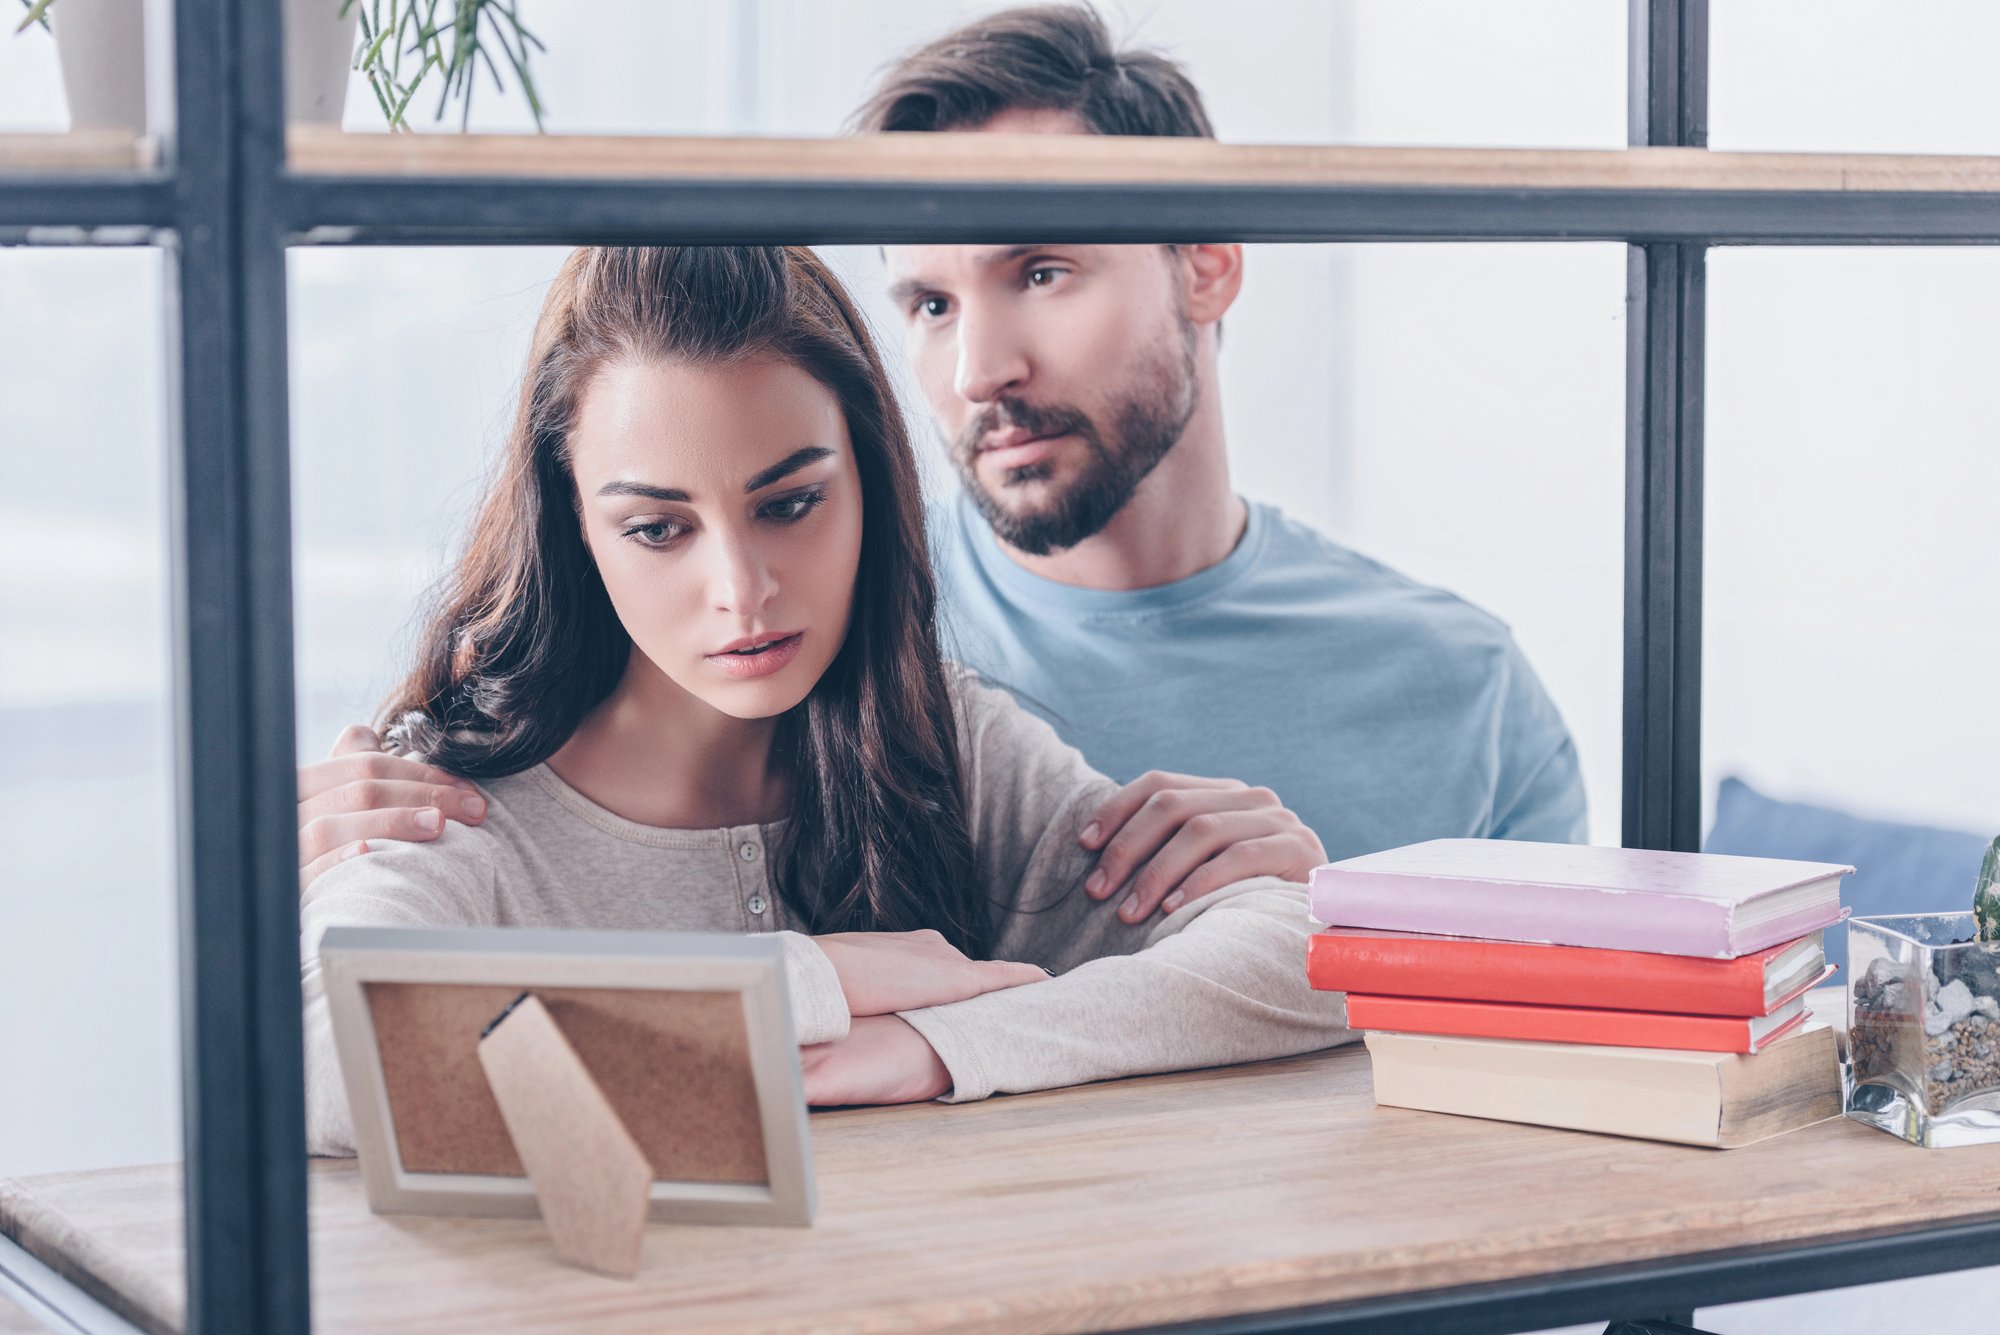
(1923, 1028)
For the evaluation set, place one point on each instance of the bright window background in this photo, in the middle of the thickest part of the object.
(1852, 613)
(1274, 71)
(1854, 76)
(88, 1006)
(1851, 596)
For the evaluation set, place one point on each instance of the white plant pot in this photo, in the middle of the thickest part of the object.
(319, 51)
(102, 47)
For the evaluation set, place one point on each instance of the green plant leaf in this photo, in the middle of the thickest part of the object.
(453, 38)
(1986, 895)
(37, 13)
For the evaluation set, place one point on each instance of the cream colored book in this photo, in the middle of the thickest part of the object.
(1719, 1099)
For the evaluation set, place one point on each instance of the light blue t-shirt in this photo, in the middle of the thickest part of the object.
(1383, 712)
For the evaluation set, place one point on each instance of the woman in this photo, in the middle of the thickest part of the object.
(689, 654)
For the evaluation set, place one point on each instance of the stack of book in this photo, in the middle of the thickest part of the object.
(1628, 991)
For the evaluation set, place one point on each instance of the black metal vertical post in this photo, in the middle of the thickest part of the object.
(240, 1016)
(1665, 322)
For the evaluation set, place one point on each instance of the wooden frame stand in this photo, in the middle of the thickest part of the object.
(590, 1176)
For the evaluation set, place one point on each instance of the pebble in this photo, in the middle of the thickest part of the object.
(1988, 1008)
(1942, 1071)
(1955, 1000)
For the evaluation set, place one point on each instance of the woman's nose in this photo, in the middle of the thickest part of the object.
(741, 580)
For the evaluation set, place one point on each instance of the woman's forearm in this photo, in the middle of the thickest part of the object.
(1221, 982)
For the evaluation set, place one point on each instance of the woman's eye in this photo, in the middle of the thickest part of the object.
(657, 534)
(786, 509)
(934, 307)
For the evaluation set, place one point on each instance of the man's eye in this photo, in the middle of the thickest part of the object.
(1042, 277)
(935, 307)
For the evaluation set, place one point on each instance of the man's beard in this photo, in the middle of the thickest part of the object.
(1147, 420)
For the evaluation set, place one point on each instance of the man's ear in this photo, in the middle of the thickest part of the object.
(1214, 275)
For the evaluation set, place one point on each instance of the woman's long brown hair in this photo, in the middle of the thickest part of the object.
(522, 640)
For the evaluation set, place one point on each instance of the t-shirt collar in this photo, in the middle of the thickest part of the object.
(1028, 587)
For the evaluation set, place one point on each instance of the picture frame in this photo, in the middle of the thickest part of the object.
(689, 1035)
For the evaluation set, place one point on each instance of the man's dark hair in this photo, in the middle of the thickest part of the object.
(1039, 58)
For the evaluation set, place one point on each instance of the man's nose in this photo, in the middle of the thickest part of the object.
(991, 360)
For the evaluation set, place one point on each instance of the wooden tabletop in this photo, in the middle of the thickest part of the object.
(1134, 1203)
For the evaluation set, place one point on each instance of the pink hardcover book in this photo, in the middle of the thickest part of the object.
(1707, 904)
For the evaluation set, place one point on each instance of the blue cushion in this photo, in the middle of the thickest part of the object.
(1897, 868)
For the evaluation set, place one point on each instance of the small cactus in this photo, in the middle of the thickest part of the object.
(1986, 895)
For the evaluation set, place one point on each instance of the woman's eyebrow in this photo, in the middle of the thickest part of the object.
(643, 489)
(787, 466)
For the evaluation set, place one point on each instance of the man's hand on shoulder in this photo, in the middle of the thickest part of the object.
(360, 792)
(1168, 839)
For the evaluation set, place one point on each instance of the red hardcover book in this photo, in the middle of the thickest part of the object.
(1573, 1024)
(1412, 964)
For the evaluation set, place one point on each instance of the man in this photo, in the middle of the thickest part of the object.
(1097, 561)
(1098, 564)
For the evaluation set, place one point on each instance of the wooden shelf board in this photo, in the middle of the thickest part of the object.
(78, 151)
(1073, 159)
(1109, 160)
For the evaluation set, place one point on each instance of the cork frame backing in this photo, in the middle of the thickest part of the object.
(689, 1035)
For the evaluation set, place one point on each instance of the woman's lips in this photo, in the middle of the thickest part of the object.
(767, 657)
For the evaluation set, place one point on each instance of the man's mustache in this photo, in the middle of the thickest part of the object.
(1048, 419)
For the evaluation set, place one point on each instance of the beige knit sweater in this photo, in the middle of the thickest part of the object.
(1222, 980)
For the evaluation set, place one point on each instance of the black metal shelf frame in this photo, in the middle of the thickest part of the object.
(404, 210)
(227, 208)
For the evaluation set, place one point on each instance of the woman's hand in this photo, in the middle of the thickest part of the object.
(360, 793)
(885, 972)
(882, 1060)
(1193, 836)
